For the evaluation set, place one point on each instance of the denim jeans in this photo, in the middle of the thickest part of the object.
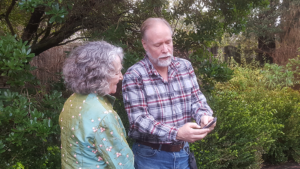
(147, 158)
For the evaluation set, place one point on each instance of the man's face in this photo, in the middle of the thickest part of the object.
(158, 45)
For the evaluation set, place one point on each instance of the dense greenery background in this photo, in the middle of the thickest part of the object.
(258, 112)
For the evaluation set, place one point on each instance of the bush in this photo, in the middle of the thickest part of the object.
(255, 123)
(209, 70)
(286, 106)
(14, 61)
(30, 135)
(244, 132)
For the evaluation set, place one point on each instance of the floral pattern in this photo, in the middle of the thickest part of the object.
(93, 135)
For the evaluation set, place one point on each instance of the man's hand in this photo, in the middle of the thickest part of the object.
(191, 132)
(207, 119)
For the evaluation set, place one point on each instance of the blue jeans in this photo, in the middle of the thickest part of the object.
(147, 158)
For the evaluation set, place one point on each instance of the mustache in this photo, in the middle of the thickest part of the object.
(165, 56)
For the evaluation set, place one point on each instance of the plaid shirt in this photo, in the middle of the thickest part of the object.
(157, 108)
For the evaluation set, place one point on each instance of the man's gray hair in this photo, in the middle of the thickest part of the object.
(89, 67)
(149, 22)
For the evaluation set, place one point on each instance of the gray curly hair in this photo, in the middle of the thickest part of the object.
(89, 67)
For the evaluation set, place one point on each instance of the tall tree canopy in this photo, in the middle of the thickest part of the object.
(45, 24)
(48, 23)
(272, 23)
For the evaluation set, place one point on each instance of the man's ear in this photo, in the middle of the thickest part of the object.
(144, 45)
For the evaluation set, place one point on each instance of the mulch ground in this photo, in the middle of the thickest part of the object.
(287, 165)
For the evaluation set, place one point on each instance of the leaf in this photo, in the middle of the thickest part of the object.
(28, 51)
(52, 19)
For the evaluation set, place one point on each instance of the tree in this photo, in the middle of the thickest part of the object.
(50, 23)
(270, 24)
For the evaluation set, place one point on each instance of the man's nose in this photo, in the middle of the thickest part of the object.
(165, 48)
(121, 77)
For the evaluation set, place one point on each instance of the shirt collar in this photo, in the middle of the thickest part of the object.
(111, 99)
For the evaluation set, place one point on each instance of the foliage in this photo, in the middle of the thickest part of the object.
(287, 145)
(47, 24)
(244, 132)
(210, 70)
(281, 76)
(14, 60)
(29, 130)
(255, 123)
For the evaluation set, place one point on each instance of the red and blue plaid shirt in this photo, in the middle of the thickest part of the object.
(157, 108)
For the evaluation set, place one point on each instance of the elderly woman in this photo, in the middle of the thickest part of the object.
(92, 133)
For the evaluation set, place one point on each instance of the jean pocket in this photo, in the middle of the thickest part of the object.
(145, 151)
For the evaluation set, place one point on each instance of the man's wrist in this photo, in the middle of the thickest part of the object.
(175, 135)
(199, 121)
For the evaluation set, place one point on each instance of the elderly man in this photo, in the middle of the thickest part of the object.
(161, 96)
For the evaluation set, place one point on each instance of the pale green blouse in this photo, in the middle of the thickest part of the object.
(92, 134)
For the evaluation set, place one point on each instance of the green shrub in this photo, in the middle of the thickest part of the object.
(209, 70)
(30, 135)
(14, 61)
(286, 106)
(244, 132)
(256, 123)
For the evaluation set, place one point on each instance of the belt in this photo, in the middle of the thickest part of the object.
(164, 147)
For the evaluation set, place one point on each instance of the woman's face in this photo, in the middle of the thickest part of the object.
(118, 76)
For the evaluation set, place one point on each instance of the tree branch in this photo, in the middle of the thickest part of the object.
(13, 3)
(72, 40)
(33, 23)
(47, 32)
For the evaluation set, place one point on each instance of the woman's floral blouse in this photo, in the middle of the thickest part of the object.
(92, 134)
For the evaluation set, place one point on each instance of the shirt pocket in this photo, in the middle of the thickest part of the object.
(182, 96)
(156, 92)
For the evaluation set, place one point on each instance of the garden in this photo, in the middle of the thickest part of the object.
(246, 56)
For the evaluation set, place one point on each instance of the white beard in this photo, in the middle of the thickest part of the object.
(160, 63)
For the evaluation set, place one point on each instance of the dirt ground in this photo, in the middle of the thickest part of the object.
(288, 165)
